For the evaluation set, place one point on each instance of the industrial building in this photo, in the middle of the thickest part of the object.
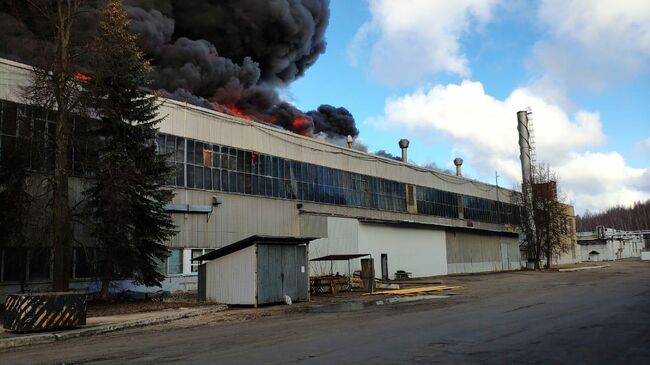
(608, 244)
(236, 178)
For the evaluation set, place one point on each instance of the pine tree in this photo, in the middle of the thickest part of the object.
(16, 201)
(126, 199)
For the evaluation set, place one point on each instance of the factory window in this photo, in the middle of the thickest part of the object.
(194, 265)
(34, 129)
(30, 264)
(39, 264)
(84, 262)
(175, 262)
(227, 169)
(490, 211)
(437, 202)
(13, 263)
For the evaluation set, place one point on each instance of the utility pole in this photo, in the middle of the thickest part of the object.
(496, 179)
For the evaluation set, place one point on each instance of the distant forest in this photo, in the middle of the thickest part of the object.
(636, 217)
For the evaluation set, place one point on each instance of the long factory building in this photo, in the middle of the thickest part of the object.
(236, 178)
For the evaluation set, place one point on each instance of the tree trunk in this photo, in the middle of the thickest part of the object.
(105, 293)
(61, 229)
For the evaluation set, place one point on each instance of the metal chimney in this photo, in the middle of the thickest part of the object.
(404, 145)
(524, 149)
(459, 163)
(349, 140)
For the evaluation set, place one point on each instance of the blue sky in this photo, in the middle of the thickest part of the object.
(450, 76)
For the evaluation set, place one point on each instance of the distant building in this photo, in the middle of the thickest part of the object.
(571, 253)
(607, 244)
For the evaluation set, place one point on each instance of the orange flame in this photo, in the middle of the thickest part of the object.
(238, 112)
(81, 77)
(302, 123)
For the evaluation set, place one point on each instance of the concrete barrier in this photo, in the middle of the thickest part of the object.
(44, 311)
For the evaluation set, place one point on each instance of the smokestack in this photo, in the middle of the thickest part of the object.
(349, 140)
(524, 148)
(404, 145)
(459, 163)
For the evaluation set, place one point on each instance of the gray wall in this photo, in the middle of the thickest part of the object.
(471, 252)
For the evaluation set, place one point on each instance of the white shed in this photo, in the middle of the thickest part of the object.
(256, 270)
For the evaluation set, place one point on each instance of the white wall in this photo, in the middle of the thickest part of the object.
(613, 249)
(342, 238)
(419, 251)
(231, 279)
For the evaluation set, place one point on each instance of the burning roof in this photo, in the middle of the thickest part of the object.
(227, 55)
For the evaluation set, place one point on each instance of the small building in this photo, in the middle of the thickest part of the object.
(607, 244)
(256, 270)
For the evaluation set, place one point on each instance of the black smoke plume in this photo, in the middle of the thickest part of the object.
(229, 55)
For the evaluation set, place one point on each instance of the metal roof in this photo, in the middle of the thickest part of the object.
(341, 257)
(249, 241)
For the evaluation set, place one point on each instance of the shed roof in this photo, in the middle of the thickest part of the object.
(340, 257)
(249, 241)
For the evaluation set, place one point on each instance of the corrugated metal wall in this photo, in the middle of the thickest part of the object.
(231, 279)
(342, 238)
(471, 252)
(237, 217)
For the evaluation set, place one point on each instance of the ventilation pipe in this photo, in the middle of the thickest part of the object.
(349, 140)
(459, 163)
(404, 145)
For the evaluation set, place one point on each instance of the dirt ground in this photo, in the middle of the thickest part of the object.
(99, 309)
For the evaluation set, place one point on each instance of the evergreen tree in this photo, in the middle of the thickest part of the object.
(15, 202)
(127, 198)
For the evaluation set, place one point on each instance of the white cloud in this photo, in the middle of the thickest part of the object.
(485, 127)
(599, 180)
(593, 43)
(418, 37)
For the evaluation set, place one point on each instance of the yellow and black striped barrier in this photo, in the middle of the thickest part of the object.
(44, 311)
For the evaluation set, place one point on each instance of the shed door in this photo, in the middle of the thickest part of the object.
(281, 271)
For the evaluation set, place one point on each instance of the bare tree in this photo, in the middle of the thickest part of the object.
(627, 218)
(543, 217)
(55, 86)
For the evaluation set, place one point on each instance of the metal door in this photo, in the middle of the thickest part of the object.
(281, 270)
(294, 272)
(384, 266)
(505, 258)
(269, 274)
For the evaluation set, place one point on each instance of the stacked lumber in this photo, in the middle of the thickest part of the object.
(416, 291)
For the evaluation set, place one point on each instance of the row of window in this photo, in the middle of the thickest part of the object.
(491, 211)
(35, 128)
(222, 168)
(213, 167)
(437, 202)
(33, 264)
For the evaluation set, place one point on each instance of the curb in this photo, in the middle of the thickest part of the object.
(583, 268)
(43, 338)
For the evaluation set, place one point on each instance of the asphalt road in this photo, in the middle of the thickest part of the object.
(592, 317)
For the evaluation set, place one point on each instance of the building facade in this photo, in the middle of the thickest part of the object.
(236, 178)
(607, 244)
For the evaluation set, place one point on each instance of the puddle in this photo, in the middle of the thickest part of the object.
(355, 306)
